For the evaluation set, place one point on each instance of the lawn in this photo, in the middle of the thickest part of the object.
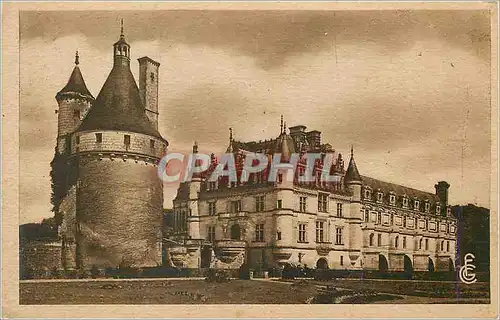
(164, 292)
(247, 292)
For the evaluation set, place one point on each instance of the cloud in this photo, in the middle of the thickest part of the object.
(411, 94)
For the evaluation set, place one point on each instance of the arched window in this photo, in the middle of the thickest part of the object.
(379, 240)
(420, 244)
(371, 239)
(447, 246)
(396, 242)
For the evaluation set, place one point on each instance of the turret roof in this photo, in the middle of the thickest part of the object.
(76, 84)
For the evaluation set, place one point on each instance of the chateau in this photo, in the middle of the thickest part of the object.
(355, 222)
(108, 197)
(106, 194)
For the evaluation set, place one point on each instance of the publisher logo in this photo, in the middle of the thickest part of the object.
(467, 274)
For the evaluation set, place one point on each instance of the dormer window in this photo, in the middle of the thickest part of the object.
(392, 199)
(380, 196)
(368, 194)
(405, 202)
(438, 208)
(416, 204)
(448, 211)
(427, 206)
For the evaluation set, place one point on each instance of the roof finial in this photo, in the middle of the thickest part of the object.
(352, 151)
(281, 126)
(77, 58)
(284, 127)
(121, 31)
(195, 147)
(230, 134)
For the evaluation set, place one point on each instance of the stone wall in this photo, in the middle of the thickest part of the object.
(119, 213)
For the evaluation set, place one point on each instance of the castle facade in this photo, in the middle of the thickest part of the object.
(353, 222)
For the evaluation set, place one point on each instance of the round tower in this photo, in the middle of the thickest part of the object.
(74, 102)
(116, 150)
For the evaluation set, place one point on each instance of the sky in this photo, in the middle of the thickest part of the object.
(408, 89)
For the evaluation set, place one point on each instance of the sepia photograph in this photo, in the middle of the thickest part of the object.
(267, 156)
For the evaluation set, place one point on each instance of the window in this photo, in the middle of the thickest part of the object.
(259, 232)
(367, 215)
(379, 240)
(211, 233)
(77, 139)
(405, 202)
(338, 235)
(278, 235)
(303, 204)
(235, 206)
(426, 244)
(392, 219)
(212, 185)
(404, 222)
(404, 242)
(151, 144)
(371, 239)
(427, 206)
(416, 205)
(447, 246)
(302, 232)
(98, 137)
(259, 203)
(438, 208)
(126, 140)
(212, 208)
(442, 245)
(392, 199)
(380, 196)
(339, 209)
(320, 225)
(368, 194)
(420, 244)
(280, 177)
(322, 202)
(341, 260)
(379, 218)
(279, 204)
(152, 76)
(396, 242)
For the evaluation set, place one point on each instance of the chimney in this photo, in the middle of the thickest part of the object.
(442, 192)
(148, 87)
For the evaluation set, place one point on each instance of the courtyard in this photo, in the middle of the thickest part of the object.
(256, 291)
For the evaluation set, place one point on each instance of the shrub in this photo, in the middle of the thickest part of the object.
(94, 272)
(217, 275)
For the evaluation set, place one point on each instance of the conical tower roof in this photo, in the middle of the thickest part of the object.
(76, 84)
(352, 174)
(118, 105)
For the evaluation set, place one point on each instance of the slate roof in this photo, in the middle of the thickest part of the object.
(399, 190)
(352, 173)
(76, 84)
(118, 106)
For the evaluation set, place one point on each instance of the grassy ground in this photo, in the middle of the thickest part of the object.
(243, 292)
(419, 291)
(164, 292)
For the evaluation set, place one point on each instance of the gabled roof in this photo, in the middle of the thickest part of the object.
(119, 106)
(76, 84)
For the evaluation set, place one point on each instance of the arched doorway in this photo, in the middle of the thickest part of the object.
(431, 265)
(235, 232)
(322, 263)
(383, 266)
(408, 266)
(206, 257)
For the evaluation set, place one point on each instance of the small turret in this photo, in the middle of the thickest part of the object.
(353, 179)
(74, 102)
